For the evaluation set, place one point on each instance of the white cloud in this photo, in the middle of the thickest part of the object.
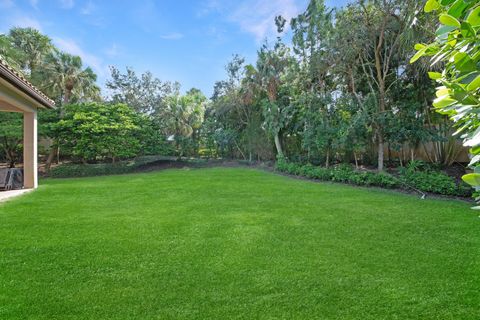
(253, 16)
(88, 9)
(67, 4)
(257, 16)
(172, 36)
(113, 51)
(70, 46)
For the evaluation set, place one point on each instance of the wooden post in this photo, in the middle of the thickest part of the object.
(30, 166)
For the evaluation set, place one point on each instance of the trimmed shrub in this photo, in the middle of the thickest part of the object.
(102, 169)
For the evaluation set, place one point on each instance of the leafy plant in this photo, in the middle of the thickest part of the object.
(94, 131)
(457, 47)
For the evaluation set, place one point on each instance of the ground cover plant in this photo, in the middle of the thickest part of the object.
(231, 243)
(410, 178)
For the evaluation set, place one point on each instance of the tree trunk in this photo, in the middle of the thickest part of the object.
(381, 73)
(381, 150)
(51, 157)
(55, 149)
(278, 145)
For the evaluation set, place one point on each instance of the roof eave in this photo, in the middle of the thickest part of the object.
(24, 86)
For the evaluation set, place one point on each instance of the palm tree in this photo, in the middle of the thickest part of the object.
(33, 45)
(9, 54)
(63, 76)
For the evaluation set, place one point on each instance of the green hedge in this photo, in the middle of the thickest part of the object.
(428, 182)
(102, 169)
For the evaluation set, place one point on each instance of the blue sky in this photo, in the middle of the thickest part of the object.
(189, 41)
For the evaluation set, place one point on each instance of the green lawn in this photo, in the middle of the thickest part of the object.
(234, 244)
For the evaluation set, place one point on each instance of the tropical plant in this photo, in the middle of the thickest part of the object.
(34, 47)
(62, 76)
(457, 48)
(95, 131)
(272, 65)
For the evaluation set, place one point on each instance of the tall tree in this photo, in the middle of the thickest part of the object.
(312, 35)
(185, 116)
(9, 54)
(62, 76)
(272, 66)
(144, 93)
(34, 46)
(382, 28)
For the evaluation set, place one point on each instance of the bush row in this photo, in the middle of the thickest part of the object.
(428, 181)
(90, 170)
(72, 170)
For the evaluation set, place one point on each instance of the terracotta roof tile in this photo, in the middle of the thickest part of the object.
(38, 95)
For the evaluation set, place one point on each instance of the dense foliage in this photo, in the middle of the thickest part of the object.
(457, 48)
(93, 131)
(335, 96)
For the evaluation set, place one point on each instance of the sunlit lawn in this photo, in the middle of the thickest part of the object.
(234, 244)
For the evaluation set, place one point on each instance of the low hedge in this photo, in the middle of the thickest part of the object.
(89, 170)
(428, 181)
(102, 169)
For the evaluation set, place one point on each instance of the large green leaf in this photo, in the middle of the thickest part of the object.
(420, 46)
(474, 17)
(443, 102)
(467, 30)
(442, 91)
(431, 5)
(435, 75)
(457, 8)
(449, 20)
(472, 179)
(420, 53)
(474, 85)
(464, 63)
(444, 30)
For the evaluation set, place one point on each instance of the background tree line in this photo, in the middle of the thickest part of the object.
(139, 115)
(342, 91)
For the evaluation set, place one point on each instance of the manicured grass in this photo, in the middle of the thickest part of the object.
(234, 244)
